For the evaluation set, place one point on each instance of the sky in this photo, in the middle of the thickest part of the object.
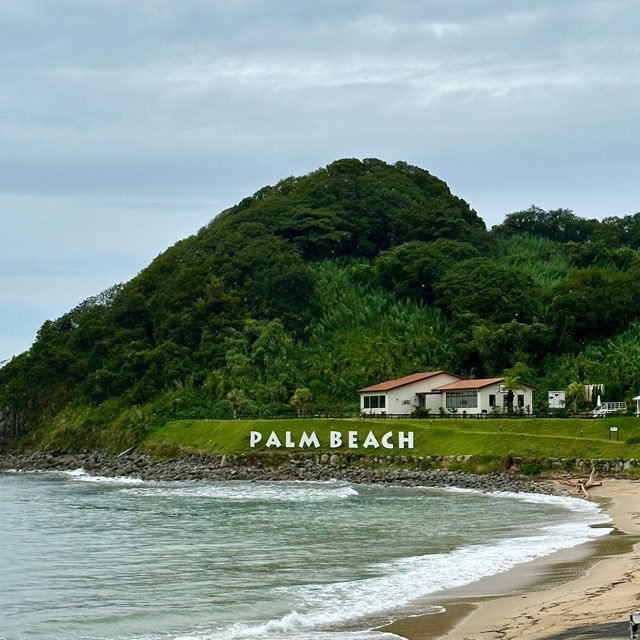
(125, 126)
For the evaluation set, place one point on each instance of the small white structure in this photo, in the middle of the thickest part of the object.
(435, 390)
(637, 399)
(557, 399)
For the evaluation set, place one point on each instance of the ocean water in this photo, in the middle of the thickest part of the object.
(91, 558)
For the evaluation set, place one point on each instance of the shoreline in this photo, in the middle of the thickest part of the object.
(269, 468)
(587, 591)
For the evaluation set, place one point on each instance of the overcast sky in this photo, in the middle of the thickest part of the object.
(125, 126)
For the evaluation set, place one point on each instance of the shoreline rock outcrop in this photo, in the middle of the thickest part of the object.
(305, 467)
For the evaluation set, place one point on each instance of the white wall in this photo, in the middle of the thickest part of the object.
(403, 400)
(494, 389)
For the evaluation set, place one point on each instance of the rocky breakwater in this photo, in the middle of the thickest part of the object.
(306, 467)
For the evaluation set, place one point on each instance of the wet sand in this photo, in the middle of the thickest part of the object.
(584, 592)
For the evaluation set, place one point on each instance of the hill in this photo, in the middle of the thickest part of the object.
(357, 272)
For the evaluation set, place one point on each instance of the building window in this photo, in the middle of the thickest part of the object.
(374, 402)
(462, 399)
(492, 399)
(520, 400)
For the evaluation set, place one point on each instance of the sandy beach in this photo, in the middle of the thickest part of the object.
(593, 600)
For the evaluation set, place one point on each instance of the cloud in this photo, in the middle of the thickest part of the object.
(126, 126)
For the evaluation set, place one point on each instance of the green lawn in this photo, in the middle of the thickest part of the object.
(529, 438)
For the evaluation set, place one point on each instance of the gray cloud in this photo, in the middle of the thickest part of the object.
(124, 126)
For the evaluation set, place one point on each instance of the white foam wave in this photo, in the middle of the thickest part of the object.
(240, 632)
(291, 626)
(250, 492)
(82, 476)
(575, 504)
(571, 503)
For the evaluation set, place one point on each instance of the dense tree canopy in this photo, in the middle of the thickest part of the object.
(489, 290)
(325, 283)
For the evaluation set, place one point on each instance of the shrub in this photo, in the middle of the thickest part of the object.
(531, 468)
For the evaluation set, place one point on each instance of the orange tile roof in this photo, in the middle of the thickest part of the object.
(469, 384)
(400, 382)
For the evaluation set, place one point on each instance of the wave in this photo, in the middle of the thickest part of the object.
(249, 492)
(573, 504)
(293, 625)
(82, 476)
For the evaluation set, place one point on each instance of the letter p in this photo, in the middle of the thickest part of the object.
(254, 438)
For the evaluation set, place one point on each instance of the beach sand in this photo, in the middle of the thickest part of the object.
(586, 592)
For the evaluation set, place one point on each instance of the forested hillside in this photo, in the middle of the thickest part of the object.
(357, 272)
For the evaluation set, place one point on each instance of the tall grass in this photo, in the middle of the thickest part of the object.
(541, 258)
(617, 358)
(365, 335)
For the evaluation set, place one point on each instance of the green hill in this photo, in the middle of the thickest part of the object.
(357, 272)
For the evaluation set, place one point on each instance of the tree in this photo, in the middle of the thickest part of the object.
(501, 346)
(300, 400)
(561, 225)
(575, 393)
(411, 269)
(510, 385)
(623, 231)
(488, 290)
(237, 400)
(592, 303)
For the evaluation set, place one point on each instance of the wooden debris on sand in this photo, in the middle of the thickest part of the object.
(581, 486)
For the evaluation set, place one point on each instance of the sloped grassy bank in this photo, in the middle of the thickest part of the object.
(526, 446)
(472, 445)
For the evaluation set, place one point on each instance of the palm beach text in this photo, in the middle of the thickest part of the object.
(333, 439)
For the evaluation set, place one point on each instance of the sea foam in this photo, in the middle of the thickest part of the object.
(249, 492)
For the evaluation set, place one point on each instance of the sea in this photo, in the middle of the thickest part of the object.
(86, 557)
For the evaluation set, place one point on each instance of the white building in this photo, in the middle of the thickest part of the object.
(403, 395)
(557, 399)
(637, 399)
(439, 389)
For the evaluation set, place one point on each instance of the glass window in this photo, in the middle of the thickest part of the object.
(520, 400)
(374, 402)
(462, 399)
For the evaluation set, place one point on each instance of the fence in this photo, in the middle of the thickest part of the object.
(402, 416)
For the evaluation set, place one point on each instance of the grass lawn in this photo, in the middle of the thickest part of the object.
(529, 438)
